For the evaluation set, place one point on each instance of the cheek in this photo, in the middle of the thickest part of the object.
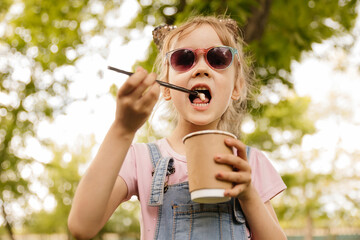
(179, 79)
(172, 77)
(227, 98)
(227, 82)
(225, 93)
(179, 99)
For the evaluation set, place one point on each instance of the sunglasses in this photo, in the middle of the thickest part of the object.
(217, 58)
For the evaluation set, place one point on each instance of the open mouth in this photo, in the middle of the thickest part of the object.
(196, 100)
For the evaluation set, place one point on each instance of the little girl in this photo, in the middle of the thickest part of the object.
(204, 54)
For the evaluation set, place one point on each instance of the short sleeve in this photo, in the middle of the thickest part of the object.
(129, 174)
(266, 180)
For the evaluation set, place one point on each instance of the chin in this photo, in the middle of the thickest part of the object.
(203, 125)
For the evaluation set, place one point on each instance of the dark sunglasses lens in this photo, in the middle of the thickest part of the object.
(219, 57)
(182, 60)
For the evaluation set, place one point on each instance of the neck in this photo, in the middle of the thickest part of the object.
(181, 130)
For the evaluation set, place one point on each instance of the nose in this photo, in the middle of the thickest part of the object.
(201, 69)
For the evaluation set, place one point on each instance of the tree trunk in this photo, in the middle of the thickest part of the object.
(256, 24)
(309, 227)
(7, 223)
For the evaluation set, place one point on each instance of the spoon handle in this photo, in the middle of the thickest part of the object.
(165, 84)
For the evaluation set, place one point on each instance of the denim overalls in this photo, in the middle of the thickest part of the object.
(180, 218)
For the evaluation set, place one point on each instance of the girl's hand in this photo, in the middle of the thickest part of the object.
(241, 176)
(135, 100)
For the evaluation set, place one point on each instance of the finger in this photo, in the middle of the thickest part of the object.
(235, 191)
(144, 104)
(144, 86)
(234, 177)
(151, 96)
(132, 82)
(232, 160)
(241, 147)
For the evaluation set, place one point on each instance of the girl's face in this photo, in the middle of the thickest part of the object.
(221, 84)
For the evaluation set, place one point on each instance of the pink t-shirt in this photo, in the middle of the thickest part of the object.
(137, 167)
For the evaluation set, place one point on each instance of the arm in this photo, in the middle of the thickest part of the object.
(260, 216)
(101, 190)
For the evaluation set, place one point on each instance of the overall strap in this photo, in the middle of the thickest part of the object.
(163, 167)
(155, 153)
(248, 152)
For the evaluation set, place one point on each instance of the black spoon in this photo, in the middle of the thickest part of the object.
(165, 84)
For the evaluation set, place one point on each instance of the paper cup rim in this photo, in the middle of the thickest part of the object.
(207, 132)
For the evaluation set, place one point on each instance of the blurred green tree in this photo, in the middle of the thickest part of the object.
(323, 187)
(39, 38)
(61, 176)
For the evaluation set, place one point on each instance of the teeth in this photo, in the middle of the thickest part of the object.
(200, 104)
(200, 88)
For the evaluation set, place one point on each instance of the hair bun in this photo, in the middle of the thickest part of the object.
(160, 32)
(232, 25)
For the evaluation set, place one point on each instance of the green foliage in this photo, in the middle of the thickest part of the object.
(37, 37)
(4, 6)
(293, 26)
(274, 120)
(44, 36)
(125, 221)
(48, 29)
(148, 63)
(61, 178)
(322, 187)
(307, 196)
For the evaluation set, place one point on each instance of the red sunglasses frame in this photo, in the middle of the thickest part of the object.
(203, 51)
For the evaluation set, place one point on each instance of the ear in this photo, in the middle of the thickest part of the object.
(166, 94)
(236, 94)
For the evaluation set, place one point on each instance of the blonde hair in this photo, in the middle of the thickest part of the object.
(229, 35)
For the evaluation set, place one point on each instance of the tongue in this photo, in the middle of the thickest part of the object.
(198, 100)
